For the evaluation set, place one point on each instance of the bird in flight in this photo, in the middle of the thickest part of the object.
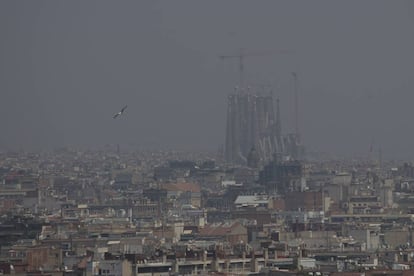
(120, 112)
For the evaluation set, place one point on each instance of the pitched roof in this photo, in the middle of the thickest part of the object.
(183, 187)
(220, 229)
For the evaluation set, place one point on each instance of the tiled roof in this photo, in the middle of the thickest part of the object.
(218, 229)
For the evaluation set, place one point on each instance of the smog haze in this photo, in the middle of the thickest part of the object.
(67, 66)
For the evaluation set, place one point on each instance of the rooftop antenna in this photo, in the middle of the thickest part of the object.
(380, 160)
(296, 102)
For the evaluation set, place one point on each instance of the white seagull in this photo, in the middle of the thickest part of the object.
(120, 112)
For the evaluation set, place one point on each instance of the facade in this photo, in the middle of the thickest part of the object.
(109, 267)
(232, 232)
(254, 125)
(251, 123)
(283, 177)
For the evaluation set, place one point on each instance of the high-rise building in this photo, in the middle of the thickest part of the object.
(251, 123)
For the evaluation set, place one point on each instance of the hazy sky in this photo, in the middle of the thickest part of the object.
(67, 66)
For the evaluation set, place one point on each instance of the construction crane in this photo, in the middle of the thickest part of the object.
(241, 55)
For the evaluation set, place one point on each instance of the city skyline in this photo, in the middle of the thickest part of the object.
(207, 138)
